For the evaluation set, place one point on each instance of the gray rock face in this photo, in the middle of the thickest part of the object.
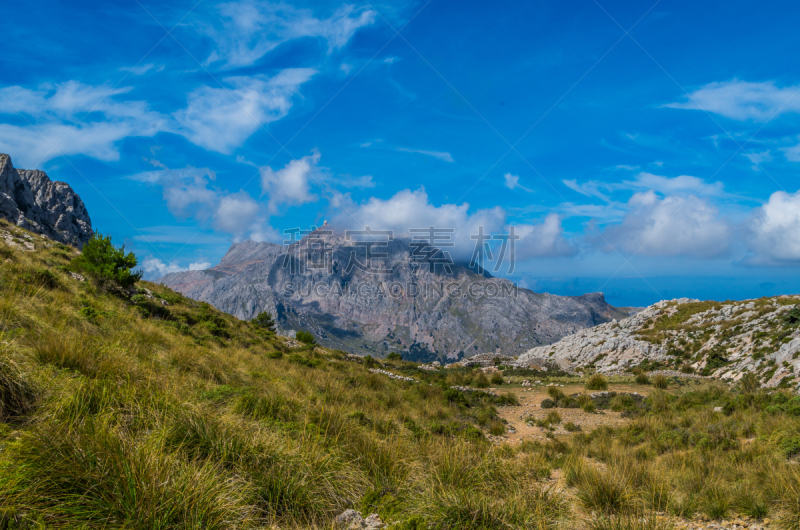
(402, 306)
(28, 198)
(724, 340)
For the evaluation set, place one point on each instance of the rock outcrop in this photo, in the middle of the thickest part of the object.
(724, 340)
(406, 306)
(29, 199)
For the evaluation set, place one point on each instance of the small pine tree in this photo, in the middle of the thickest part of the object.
(106, 263)
(264, 321)
(305, 337)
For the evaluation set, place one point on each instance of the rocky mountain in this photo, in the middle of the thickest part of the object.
(29, 199)
(717, 339)
(406, 304)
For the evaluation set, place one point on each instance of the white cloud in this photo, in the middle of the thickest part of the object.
(441, 155)
(590, 188)
(72, 118)
(543, 240)
(199, 265)
(512, 183)
(774, 230)
(409, 209)
(682, 184)
(679, 184)
(792, 153)
(156, 267)
(290, 185)
(187, 193)
(741, 100)
(237, 214)
(142, 69)
(349, 181)
(672, 226)
(221, 119)
(251, 29)
(758, 158)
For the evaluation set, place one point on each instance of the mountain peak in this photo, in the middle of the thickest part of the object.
(29, 199)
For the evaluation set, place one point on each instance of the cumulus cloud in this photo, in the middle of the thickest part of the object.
(221, 119)
(155, 268)
(669, 226)
(72, 118)
(250, 29)
(408, 210)
(512, 182)
(290, 185)
(741, 100)
(774, 230)
(543, 240)
(441, 155)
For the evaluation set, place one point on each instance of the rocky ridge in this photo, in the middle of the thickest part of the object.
(723, 340)
(406, 305)
(29, 199)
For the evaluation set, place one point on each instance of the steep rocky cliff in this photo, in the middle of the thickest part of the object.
(717, 339)
(28, 198)
(401, 306)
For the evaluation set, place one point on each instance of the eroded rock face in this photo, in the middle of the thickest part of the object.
(28, 198)
(406, 307)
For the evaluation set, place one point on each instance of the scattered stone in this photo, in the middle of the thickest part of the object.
(352, 520)
(393, 376)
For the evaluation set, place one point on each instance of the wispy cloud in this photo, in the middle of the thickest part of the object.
(73, 118)
(756, 158)
(441, 155)
(142, 69)
(248, 29)
(512, 182)
(742, 100)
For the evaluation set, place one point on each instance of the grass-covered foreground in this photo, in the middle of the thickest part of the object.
(117, 411)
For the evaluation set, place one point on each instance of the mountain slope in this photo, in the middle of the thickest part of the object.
(404, 306)
(720, 339)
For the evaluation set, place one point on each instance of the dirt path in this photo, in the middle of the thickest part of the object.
(530, 399)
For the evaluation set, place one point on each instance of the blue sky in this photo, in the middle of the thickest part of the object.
(646, 150)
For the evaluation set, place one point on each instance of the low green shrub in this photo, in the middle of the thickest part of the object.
(597, 382)
(305, 337)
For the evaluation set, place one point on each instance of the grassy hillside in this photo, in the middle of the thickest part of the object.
(117, 411)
